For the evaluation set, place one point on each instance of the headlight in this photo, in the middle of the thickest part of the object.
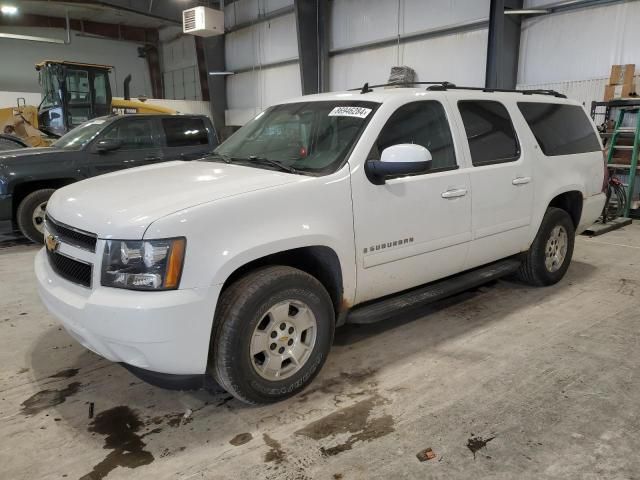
(143, 264)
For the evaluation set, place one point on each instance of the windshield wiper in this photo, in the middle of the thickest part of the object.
(222, 156)
(274, 163)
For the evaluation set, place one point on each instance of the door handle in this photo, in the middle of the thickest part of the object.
(521, 180)
(151, 159)
(458, 192)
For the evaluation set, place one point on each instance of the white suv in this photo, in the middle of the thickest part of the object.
(331, 208)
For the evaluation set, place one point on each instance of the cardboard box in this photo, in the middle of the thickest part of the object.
(612, 92)
(622, 74)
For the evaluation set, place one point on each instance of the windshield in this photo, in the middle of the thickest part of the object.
(81, 135)
(50, 88)
(306, 137)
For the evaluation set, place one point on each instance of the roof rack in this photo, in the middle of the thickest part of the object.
(442, 86)
(366, 88)
(451, 86)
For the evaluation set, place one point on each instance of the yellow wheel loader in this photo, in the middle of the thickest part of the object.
(72, 93)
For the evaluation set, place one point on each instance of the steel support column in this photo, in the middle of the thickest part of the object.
(214, 59)
(504, 45)
(312, 24)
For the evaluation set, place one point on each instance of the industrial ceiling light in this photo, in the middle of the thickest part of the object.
(8, 10)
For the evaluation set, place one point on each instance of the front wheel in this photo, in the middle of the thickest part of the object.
(274, 329)
(550, 254)
(31, 212)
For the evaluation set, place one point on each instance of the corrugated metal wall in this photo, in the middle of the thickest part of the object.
(249, 49)
(578, 45)
(180, 77)
(458, 58)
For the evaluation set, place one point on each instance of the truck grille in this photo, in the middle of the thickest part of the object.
(72, 236)
(70, 269)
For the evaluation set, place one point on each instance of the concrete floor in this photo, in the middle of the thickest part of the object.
(548, 378)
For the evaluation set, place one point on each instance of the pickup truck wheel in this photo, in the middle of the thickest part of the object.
(30, 214)
(550, 254)
(274, 329)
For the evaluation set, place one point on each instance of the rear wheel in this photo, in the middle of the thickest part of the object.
(550, 254)
(273, 333)
(31, 212)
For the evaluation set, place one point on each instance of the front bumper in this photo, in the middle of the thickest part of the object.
(165, 332)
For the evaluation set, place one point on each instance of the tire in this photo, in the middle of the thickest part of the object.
(253, 309)
(540, 267)
(30, 210)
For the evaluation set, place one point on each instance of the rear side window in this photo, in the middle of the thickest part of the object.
(560, 129)
(185, 132)
(491, 136)
(422, 123)
(132, 133)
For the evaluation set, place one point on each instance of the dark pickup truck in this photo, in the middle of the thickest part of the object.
(29, 176)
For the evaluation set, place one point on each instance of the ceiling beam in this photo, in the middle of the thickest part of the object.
(88, 27)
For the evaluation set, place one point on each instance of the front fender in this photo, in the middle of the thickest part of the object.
(228, 233)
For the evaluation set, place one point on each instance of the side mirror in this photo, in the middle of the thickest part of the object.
(398, 161)
(108, 145)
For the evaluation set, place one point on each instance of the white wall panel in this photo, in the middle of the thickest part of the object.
(243, 11)
(265, 42)
(421, 15)
(354, 22)
(537, 3)
(458, 58)
(579, 44)
(179, 64)
(251, 92)
(20, 56)
(10, 99)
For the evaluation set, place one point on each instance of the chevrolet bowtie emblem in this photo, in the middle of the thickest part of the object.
(52, 243)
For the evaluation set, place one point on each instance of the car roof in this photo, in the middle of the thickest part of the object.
(389, 93)
(117, 116)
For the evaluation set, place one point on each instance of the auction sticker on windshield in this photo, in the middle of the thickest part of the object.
(359, 112)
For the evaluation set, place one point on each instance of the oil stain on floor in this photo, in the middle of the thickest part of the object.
(67, 373)
(48, 398)
(241, 439)
(477, 443)
(355, 420)
(276, 453)
(121, 426)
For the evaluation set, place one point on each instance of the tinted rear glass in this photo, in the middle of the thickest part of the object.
(560, 129)
(490, 132)
(185, 132)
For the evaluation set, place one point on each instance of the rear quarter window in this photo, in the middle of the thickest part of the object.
(185, 132)
(560, 129)
(492, 138)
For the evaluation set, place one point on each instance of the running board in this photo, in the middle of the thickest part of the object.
(432, 292)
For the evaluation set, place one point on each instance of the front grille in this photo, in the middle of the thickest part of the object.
(72, 236)
(70, 269)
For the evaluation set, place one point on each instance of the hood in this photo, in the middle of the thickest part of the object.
(11, 158)
(123, 204)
